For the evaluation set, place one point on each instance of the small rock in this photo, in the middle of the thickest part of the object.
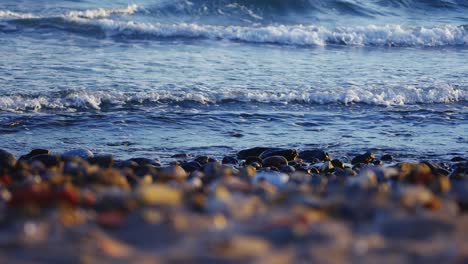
(275, 161)
(35, 152)
(365, 158)
(252, 159)
(252, 152)
(7, 160)
(173, 173)
(287, 169)
(230, 160)
(145, 161)
(337, 164)
(204, 160)
(456, 159)
(103, 161)
(377, 162)
(46, 159)
(313, 155)
(80, 153)
(278, 179)
(386, 157)
(327, 167)
(191, 166)
(288, 154)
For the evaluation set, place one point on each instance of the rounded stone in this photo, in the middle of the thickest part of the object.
(103, 161)
(80, 153)
(35, 152)
(275, 161)
(251, 152)
(252, 159)
(288, 154)
(273, 177)
(173, 173)
(7, 160)
(386, 157)
(191, 166)
(230, 160)
(365, 158)
(313, 155)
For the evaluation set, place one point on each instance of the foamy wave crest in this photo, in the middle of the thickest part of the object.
(11, 14)
(102, 12)
(390, 35)
(388, 96)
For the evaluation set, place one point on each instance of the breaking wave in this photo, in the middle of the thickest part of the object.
(86, 99)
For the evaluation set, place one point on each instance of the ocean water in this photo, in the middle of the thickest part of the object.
(155, 78)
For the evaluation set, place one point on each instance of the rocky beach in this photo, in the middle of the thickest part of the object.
(260, 205)
(233, 131)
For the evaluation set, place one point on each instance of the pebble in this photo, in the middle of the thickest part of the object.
(288, 154)
(35, 152)
(275, 161)
(103, 161)
(230, 160)
(173, 173)
(7, 160)
(80, 153)
(275, 178)
(365, 158)
(252, 152)
(386, 157)
(314, 155)
(46, 159)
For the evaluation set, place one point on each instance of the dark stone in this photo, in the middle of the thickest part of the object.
(204, 160)
(459, 172)
(365, 158)
(313, 155)
(386, 157)
(286, 168)
(230, 160)
(327, 167)
(344, 172)
(252, 152)
(103, 161)
(288, 154)
(256, 165)
(147, 169)
(145, 161)
(7, 160)
(377, 162)
(250, 160)
(46, 159)
(457, 159)
(275, 161)
(35, 152)
(191, 166)
(127, 164)
(337, 164)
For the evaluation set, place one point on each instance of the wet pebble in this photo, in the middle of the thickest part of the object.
(80, 153)
(275, 161)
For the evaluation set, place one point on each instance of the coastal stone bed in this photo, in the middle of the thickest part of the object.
(263, 205)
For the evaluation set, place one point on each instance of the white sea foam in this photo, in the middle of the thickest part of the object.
(385, 96)
(102, 12)
(11, 14)
(389, 35)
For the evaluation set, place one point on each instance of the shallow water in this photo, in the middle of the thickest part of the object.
(157, 78)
